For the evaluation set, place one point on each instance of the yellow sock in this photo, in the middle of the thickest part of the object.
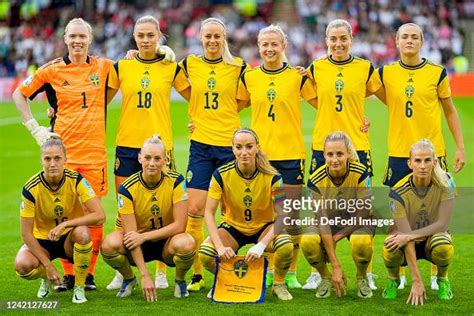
(34, 274)
(402, 271)
(119, 262)
(442, 256)
(82, 255)
(194, 228)
(183, 263)
(361, 249)
(296, 239)
(434, 269)
(270, 257)
(283, 247)
(393, 261)
(369, 267)
(208, 255)
(312, 248)
(160, 267)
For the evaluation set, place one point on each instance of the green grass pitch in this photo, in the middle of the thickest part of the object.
(19, 159)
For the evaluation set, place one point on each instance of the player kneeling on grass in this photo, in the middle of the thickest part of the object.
(152, 206)
(421, 204)
(252, 191)
(342, 179)
(57, 206)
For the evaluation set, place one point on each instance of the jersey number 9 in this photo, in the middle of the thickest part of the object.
(248, 215)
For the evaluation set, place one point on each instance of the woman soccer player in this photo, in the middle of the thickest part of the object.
(152, 207)
(421, 204)
(57, 206)
(145, 81)
(343, 177)
(342, 83)
(415, 90)
(213, 111)
(253, 192)
(274, 91)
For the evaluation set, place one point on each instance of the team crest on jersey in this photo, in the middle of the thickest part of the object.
(28, 81)
(211, 83)
(241, 268)
(409, 91)
(271, 95)
(247, 201)
(189, 176)
(339, 85)
(58, 210)
(145, 82)
(94, 78)
(313, 164)
(422, 218)
(155, 210)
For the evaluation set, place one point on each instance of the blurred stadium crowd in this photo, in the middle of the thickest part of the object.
(31, 31)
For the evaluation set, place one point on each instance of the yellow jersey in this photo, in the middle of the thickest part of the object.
(341, 89)
(249, 202)
(152, 207)
(146, 91)
(413, 98)
(276, 111)
(213, 106)
(51, 207)
(419, 209)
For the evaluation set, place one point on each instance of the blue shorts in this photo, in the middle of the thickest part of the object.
(291, 171)
(365, 158)
(152, 250)
(126, 161)
(397, 169)
(241, 238)
(203, 160)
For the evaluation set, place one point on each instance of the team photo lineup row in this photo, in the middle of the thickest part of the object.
(217, 86)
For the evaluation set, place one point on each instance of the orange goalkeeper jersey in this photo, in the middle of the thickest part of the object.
(78, 95)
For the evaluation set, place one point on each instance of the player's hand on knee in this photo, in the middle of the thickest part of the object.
(255, 252)
(56, 233)
(226, 253)
(40, 133)
(417, 293)
(148, 288)
(131, 53)
(133, 239)
(170, 56)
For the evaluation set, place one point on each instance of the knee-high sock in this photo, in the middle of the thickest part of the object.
(311, 245)
(441, 252)
(194, 228)
(208, 255)
(34, 274)
(97, 234)
(393, 261)
(120, 263)
(183, 263)
(361, 248)
(160, 267)
(270, 258)
(283, 248)
(296, 239)
(369, 267)
(82, 259)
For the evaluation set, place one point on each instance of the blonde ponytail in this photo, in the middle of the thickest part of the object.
(226, 55)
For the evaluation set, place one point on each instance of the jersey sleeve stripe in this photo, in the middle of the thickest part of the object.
(31, 183)
(442, 76)
(185, 66)
(303, 80)
(242, 69)
(381, 75)
(178, 69)
(242, 78)
(218, 178)
(276, 178)
(27, 194)
(178, 181)
(394, 195)
(371, 71)
(116, 67)
(311, 69)
(122, 190)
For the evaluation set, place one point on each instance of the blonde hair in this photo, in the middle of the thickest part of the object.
(156, 140)
(410, 24)
(226, 55)
(148, 19)
(53, 141)
(261, 159)
(340, 136)
(438, 176)
(339, 23)
(273, 28)
(78, 21)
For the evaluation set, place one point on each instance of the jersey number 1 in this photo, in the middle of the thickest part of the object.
(153, 224)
